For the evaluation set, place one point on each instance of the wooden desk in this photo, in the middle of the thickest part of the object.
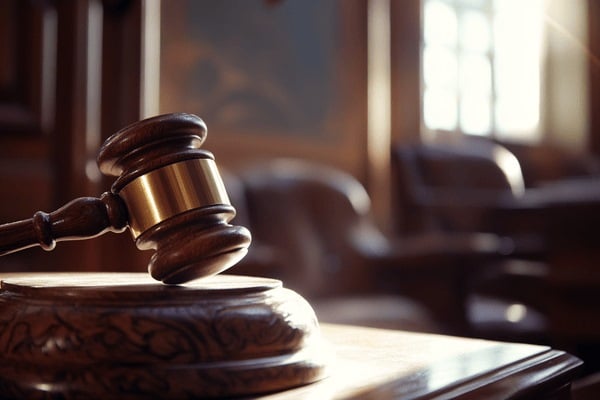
(382, 364)
(101, 336)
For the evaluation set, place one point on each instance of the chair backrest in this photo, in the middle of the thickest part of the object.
(307, 213)
(470, 171)
(546, 163)
(473, 165)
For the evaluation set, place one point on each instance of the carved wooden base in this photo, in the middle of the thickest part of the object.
(126, 336)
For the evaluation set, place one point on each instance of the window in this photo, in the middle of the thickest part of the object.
(481, 67)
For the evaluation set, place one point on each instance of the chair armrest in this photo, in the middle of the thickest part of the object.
(429, 251)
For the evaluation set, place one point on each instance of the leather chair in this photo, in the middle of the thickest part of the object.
(545, 164)
(453, 187)
(552, 271)
(311, 224)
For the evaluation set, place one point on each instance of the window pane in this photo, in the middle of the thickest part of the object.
(481, 66)
(475, 75)
(515, 113)
(518, 31)
(517, 45)
(475, 115)
(440, 109)
(439, 67)
(474, 31)
(480, 4)
(440, 23)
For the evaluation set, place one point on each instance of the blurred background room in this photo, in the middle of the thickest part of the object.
(428, 165)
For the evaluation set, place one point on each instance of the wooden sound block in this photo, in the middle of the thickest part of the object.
(126, 336)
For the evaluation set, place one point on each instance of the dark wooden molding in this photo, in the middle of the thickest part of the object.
(59, 98)
(28, 49)
(406, 70)
(594, 75)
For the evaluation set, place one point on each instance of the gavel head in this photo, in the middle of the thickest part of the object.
(175, 198)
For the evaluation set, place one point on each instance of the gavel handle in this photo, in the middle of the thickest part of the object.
(81, 218)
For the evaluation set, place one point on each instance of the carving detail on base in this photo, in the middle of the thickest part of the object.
(126, 336)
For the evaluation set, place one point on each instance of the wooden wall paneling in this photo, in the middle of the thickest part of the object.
(28, 54)
(406, 70)
(379, 111)
(27, 39)
(102, 78)
(26, 101)
(121, 65)
(53, 93)
(77, 85)
(131, 37)
(594, 75)
(406, 92)
(124, 99)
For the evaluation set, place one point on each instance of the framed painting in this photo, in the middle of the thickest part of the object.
(270, 78)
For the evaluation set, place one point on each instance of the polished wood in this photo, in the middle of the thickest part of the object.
(130, 337)
(126, 336)
(81, 218)
(185, 247)
(187, 225)
(405, 36)
(127, 67)
(27, 93)
(384, 364)
(69, 78)
(593, 46)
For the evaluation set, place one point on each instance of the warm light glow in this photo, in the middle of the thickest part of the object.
(476, 92)
(481, 66)
(515, 312)
(517, 45)
(440, 67)
(150, 79)
(509, 164)
(379, 106)
(475, 30)
(44, 387)
(440, 109)
(440, 24)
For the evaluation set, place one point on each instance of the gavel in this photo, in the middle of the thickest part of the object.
(168, 192)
